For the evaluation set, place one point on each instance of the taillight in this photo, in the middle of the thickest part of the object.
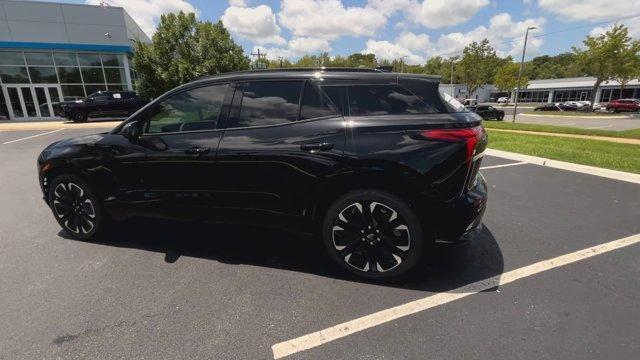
(469, 135)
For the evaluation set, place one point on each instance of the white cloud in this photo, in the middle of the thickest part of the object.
(415, 42)
(501, 30)
(238, 3)
(296, 47)
(329, 19)
(633, 26)
(390, 51)
(590, 10)
(146, 13)
(435, 14)
(307, 45)
(257, 24)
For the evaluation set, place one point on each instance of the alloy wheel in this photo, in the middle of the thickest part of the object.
(74, 208)
(371, 237)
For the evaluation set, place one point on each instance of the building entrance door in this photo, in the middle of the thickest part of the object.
(26, 102)
(583, 96)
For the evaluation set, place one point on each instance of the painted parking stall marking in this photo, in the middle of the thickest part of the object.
(32, 136)
(324, 336)
(503, 165)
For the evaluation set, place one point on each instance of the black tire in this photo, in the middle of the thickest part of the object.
(373, 234)
(79, 117)
(75, 207)
(500, 117)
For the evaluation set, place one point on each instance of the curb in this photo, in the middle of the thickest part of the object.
(578, 116)
(612, 139)
(556, 164)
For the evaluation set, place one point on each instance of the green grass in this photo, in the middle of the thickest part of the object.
(573, 113)
(633, 134)
(624, 157)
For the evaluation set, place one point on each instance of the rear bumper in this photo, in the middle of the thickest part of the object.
(462, 220)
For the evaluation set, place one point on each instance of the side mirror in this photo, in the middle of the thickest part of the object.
(132, 130)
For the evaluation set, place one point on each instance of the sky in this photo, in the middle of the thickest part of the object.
(414, 30)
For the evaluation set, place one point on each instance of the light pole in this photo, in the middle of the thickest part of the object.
(402, 63)
(524, 49)
(452, 61)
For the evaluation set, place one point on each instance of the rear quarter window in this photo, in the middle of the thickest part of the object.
(368, 100)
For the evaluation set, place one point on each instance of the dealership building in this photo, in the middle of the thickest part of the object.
(551, 90)
(51, 52)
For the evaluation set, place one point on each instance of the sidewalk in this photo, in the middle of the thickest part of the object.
(53, 125)
(574, 136)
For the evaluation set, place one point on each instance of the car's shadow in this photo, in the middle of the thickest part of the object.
(448, 267)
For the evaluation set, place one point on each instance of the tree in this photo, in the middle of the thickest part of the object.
(627, 67)
(600, 55)
(478, 65)
(506, 77)
(184, 49)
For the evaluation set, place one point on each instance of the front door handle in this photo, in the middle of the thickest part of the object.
(316, 146)
(196, 150)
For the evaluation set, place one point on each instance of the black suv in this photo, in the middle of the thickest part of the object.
(102, 104)
(487, 112)
(376, 163)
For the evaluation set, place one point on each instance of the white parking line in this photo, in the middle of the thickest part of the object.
(321, 337)
(503, 165)
(600, 127)
(32, 136)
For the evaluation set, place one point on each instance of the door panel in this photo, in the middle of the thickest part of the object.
(265, 170)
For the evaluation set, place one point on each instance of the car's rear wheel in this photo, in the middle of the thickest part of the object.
(373, 234)
(79, 116)
(75, 207)
(500, 117)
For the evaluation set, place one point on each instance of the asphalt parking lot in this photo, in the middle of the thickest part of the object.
(188, 291)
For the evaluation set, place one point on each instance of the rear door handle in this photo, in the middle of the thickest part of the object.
(316, 146)
(196, 150)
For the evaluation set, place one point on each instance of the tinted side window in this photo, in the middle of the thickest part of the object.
(313, 104)
(338, 96)
(269, 103)
(385, 100)
(196, 109)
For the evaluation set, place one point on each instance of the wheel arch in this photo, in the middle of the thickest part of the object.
(401, 181)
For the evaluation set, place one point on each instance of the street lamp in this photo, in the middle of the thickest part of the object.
(402, 63)
(524, 49)
(452, 61)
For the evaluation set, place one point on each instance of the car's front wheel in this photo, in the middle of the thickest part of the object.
(373, 234)
(79, 117)
(75, 207)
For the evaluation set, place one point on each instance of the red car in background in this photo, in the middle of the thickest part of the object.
(623, 105)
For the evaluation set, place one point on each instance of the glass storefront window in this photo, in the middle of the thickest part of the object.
(117, 87)
(115, 75)
(4, 110)
(11, 58)
(91, 88)
(43, 74)
(64, 59)
(72, 92)
(38, 58)
(112, 60)
(92, 75)
(14, 74)
(89, 59)
(69, 75)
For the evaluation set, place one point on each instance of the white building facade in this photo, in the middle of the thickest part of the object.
(51, 52)
(576, 89)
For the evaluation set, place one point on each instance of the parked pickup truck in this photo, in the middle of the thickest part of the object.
(102, 104)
